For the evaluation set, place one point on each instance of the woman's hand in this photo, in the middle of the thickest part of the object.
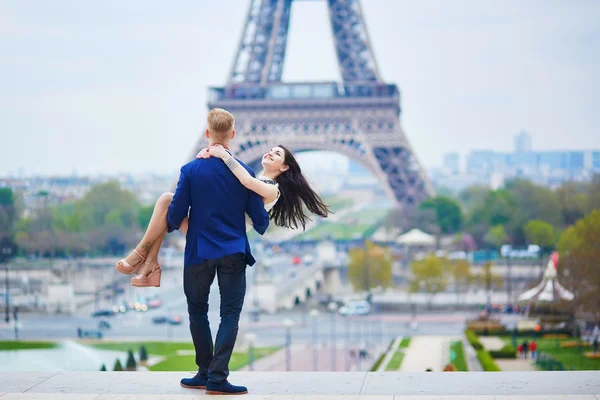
(218, 151)
(203, 154)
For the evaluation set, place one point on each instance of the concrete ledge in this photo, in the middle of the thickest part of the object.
(584, 385)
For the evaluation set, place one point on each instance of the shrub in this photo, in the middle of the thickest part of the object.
(131, 365)
(508, 351)
(143, 355)
(487, 362)
(378, 362)
(103, 368)
(118, 366)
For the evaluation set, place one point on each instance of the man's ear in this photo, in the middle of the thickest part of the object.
(207, 133)
(232, 134)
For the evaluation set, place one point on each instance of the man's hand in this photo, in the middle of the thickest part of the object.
(203, 154)
(218, 151)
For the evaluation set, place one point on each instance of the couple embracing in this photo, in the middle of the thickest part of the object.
(217, 200)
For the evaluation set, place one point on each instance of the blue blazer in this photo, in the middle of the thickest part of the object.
(216, 201)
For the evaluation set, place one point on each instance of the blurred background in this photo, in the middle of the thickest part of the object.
(456, 143)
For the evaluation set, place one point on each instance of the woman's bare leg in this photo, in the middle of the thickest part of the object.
(157, 228)
(152, 254)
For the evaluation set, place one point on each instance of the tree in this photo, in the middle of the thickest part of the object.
(593, 193)
(573, 202)
(8, 217)
(462, 276)
(534, 202)
(579, 257)
(131, 365)
(428, 275)
(370, 267)
(118, 366)
(499, 208)
(540, 233)
(465, 242)
(447, 211)
(496, 236)
(143, 355)
(144, 216)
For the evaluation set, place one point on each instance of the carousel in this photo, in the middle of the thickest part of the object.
(549, 300)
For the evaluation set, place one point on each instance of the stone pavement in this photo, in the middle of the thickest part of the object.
(582, 385)
(425, 352)
(302, 360)
(515, 365)
(491, 343)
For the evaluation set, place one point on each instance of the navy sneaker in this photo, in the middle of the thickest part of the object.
(197, 382)
(224, 388)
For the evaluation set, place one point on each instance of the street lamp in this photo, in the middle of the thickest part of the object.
(251, 339)
(288, 323)
(332, 307)
(314, 313)
(6, 252)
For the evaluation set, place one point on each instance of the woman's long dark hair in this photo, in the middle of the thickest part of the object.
(295, 192)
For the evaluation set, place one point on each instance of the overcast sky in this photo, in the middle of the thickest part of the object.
(120, 86)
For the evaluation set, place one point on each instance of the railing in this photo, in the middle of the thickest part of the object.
(303, 91)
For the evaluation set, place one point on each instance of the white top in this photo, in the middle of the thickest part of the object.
(268, 206)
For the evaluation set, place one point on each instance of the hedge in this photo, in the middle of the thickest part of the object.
(508, 351)
(473, 339)
(487, 362)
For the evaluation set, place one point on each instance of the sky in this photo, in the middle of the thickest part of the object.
(113, 86)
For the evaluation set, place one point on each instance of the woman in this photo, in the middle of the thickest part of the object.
(282, 186)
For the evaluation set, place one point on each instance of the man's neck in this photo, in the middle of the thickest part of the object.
(225, 145)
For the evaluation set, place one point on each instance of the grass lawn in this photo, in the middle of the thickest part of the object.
(174, 362)
(25, 345)
(404, 343)
(571, 357)
(459, 361)
(395, 362)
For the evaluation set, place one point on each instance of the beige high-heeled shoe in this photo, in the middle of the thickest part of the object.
(153, 278)
(123, 266)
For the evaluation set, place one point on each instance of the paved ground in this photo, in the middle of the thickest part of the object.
(516, 365)
(491, 343)
(426, 352)
(584, 385)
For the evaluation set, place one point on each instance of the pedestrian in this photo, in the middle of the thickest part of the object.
(520, 351)
(525, 349)
(595, 344)
(533, 348)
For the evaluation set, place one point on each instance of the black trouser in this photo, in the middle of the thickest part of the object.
(231, 275)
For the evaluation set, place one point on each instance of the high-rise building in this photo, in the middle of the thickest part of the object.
(452, 163)
(523, 142)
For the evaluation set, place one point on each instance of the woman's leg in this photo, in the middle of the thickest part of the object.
(157, 228)
(152, 255)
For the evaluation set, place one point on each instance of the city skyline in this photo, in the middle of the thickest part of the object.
(135, 82)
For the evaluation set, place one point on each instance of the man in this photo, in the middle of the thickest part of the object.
(216, 244)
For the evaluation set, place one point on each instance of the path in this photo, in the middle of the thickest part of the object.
(426, 352)
(515, 365)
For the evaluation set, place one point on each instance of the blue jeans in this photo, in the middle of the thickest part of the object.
(213, 363)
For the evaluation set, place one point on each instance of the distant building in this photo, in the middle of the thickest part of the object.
(452, 163)
(523, 143)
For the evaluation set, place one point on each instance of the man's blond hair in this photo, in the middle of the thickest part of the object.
(220, 123)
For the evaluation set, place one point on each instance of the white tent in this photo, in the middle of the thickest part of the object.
(385, 235)
(549, 289)
(416, 237)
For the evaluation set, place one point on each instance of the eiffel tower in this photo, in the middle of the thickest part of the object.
(358, 117)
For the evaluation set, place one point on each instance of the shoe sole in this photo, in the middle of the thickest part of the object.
(216, 393)
(192, 387)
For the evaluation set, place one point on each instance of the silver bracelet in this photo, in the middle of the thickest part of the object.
(232, 163)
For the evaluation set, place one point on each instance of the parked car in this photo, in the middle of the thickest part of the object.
(105, 312)
(161, 319)
(174, 320)
(355, 308)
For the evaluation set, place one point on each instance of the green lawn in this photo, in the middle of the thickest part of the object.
(174, 362)
(396, 361)
(571, 357)
(457, 355)
(404, 343)
(25, 345)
